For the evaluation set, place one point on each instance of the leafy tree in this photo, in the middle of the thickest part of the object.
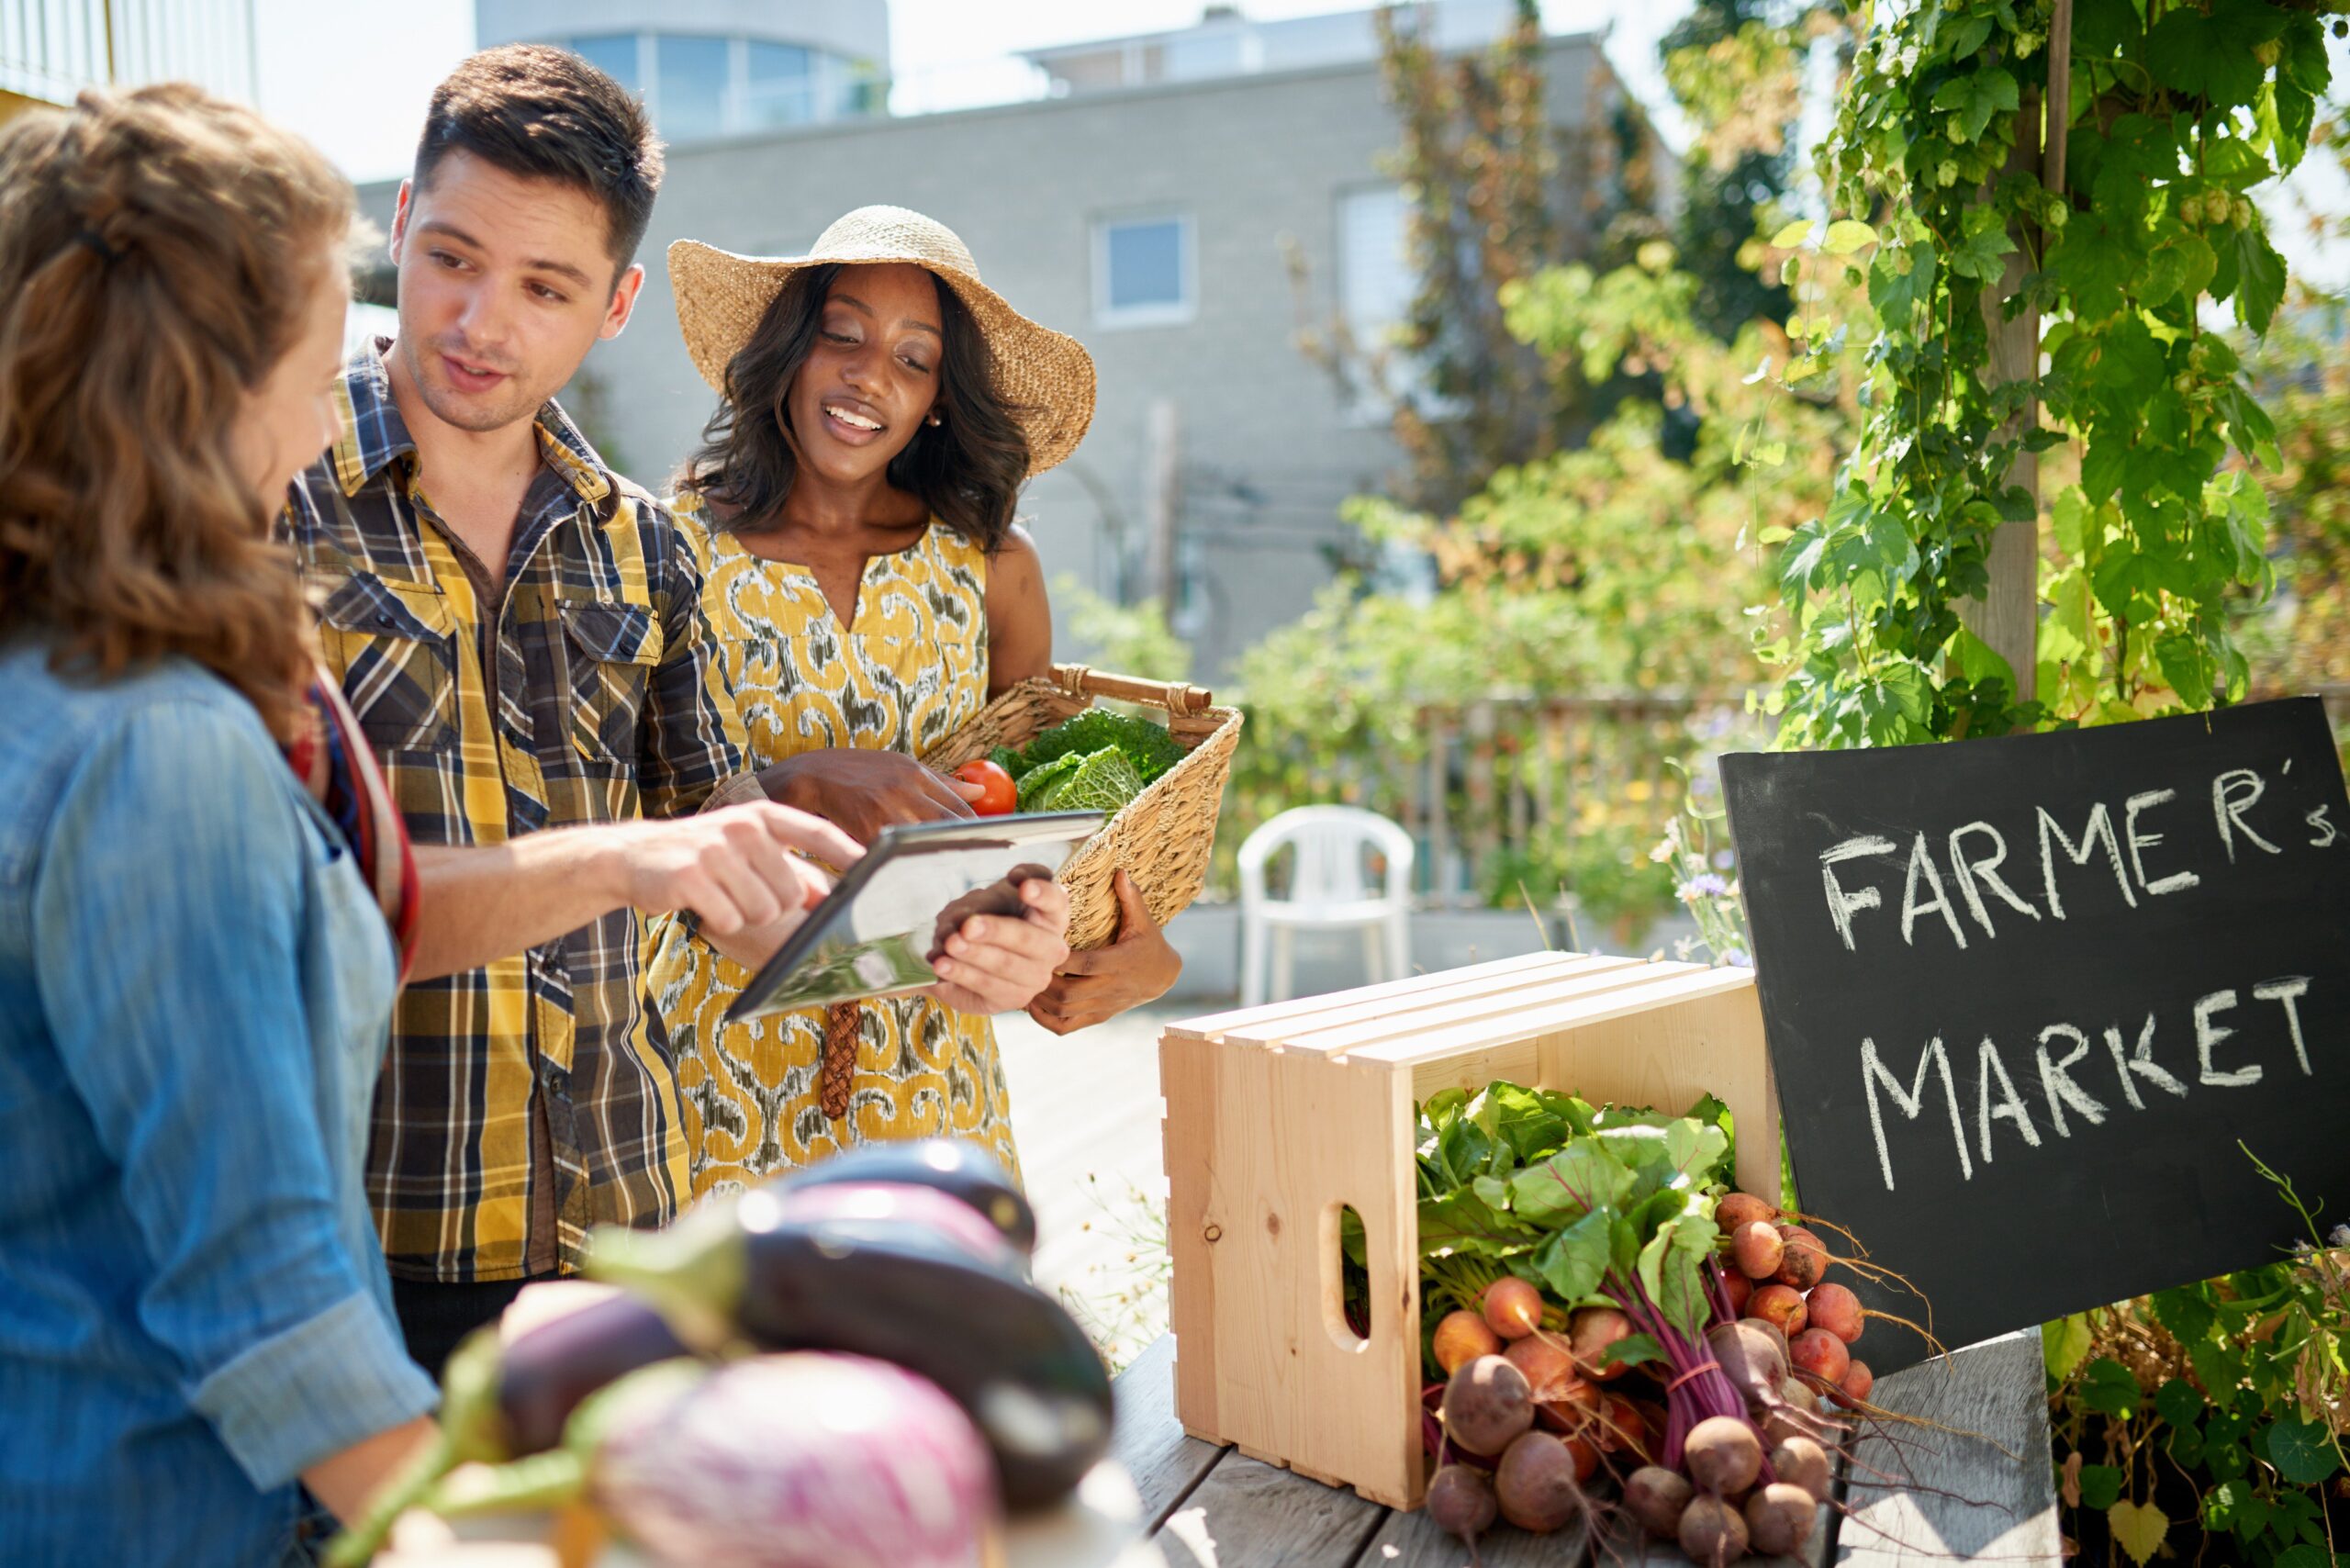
(1496, 192)
(1616, 554)
(1727, 57)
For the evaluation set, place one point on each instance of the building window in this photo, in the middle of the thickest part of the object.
(614, 54)
(779, 85)
(1145, 271)
(1377, 284)
(694, 74)
(1376, 281)
(696, 87)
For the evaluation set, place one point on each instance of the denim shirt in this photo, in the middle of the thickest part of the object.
(194, 993)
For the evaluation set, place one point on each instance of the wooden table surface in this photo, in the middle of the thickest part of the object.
(1967, 1478)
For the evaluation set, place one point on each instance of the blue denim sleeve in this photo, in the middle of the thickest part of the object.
(169, 954)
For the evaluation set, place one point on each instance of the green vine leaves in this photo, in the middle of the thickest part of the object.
(2177, 114)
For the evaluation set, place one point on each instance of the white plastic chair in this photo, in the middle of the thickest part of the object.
(1330, 888)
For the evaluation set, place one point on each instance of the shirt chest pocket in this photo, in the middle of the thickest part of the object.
(393, 645)
(613, 646)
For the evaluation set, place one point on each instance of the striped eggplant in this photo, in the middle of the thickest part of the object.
(799, 1460)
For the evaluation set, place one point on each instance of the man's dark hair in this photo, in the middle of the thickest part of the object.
(543, 113)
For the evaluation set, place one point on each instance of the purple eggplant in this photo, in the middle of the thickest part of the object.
(512, 1400)
(959, 1169)
(545, 1373)
(1005, 1351)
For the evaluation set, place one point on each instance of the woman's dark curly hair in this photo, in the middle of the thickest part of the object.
(967, 469)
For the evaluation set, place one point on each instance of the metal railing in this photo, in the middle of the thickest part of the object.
(51, 50)
(1512, 799)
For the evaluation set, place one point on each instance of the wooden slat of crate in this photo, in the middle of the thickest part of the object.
(1491, 1012)
(1345, 1019)
(1654, 985)
(1214, 1026)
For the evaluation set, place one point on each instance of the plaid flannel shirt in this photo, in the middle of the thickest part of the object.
(521, 1102)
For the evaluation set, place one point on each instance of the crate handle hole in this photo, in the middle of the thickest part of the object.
(1346, 1282)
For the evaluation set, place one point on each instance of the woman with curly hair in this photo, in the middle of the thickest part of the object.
(198, 943)
(853, 502)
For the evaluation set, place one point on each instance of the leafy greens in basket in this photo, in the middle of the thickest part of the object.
(1097, 761)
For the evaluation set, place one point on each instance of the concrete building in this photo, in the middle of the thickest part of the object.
(718, 68)
(51, 50)
(1160, 202)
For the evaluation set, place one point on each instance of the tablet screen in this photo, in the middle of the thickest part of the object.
(876, 932)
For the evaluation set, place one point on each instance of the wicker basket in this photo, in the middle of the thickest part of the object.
(1165, 835)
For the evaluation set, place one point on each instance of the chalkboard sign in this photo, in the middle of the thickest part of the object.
(2025, 996)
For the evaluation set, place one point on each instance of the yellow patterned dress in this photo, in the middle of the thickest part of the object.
(911, 670)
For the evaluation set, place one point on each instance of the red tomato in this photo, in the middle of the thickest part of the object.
(1003, 797)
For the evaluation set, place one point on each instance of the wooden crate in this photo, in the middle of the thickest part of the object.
(1278, 1116)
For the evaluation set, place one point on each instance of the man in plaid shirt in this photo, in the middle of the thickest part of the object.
(518, 629)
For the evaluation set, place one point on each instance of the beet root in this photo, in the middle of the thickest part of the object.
(1819, 1354)
(1656, 1497)
(1575, 1408)
(1722, 1454)
(1835, 1309)
(1781, 1306)
(1535, 1482)
(1549, 1371)
(1778, 1518)
(1771, 1331)
(1853, 1387)
(1461, 1501)
(1801, 1462)
(1758, 1248)
(1712, 1532)
(1513, 1308)
(1796, 1413)
(1619, 1426)
(1751, 1356)
(1805, 1257)
(1736, 1210)
(1486, 1405)
(1591, 1332)
(1461, 1337)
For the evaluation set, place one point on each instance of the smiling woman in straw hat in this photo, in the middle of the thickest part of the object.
(853, 499)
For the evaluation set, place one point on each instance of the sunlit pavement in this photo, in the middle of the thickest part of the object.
(1085, 1112)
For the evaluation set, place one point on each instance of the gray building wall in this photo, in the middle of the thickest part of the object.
(1269, 448)
(858, 28)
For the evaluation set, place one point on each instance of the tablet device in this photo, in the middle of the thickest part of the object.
(891, 912)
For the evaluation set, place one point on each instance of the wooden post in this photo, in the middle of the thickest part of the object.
(2008, 616)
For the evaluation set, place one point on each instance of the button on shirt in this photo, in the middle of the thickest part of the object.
(524, 1101)
(194, 988)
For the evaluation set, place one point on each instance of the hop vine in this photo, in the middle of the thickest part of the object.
(2172, 117)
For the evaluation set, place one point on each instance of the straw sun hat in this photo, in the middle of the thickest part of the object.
(1045, 374)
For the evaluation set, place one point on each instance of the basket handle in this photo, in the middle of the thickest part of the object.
(1174, 697)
